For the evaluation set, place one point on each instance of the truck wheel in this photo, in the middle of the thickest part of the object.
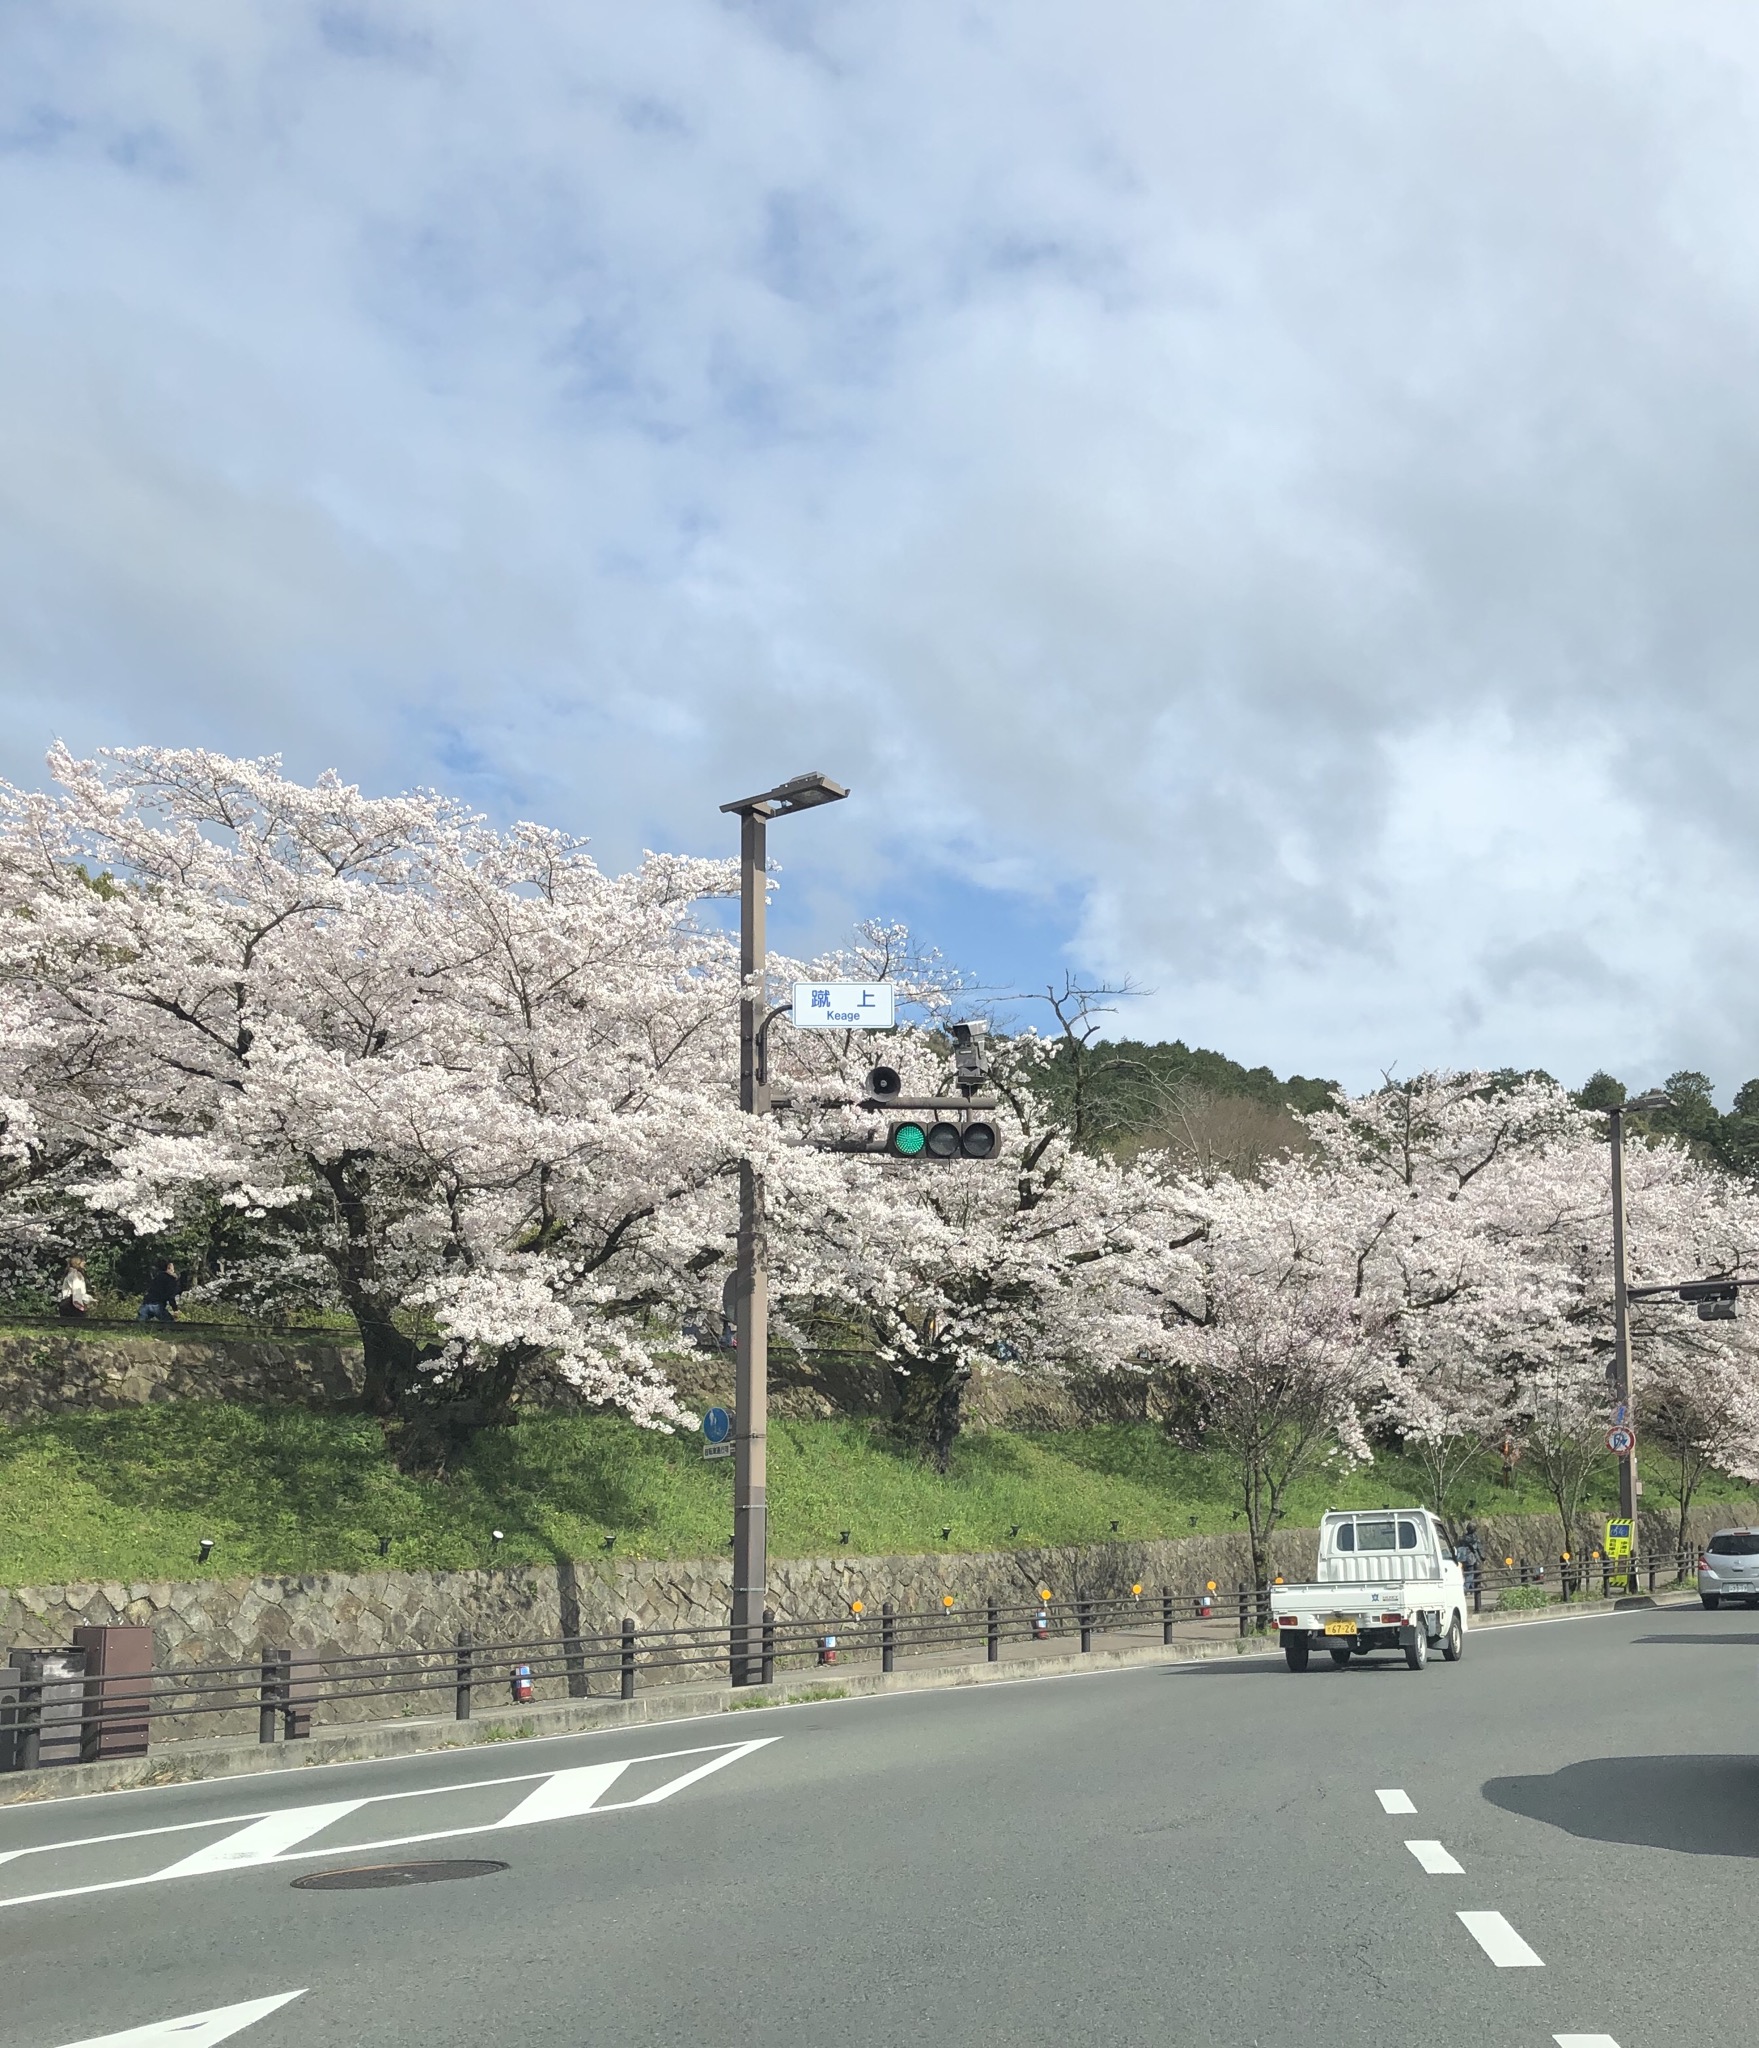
(1340, 1658)
(1453, 1644)
(1296, 1648)
(1417, 1649)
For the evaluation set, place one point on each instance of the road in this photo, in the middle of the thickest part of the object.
(1219, 1855)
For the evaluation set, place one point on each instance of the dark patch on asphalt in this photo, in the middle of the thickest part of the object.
(379, 1877)
(1743, 1642)
(1694, 1805)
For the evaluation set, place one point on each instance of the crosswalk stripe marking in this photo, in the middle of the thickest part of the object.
(263, 1840)
(565, 1794)
(1500, 1942)
(195, 2029)
(1395, 1802)
(1584, 2041)
(1435, 1859)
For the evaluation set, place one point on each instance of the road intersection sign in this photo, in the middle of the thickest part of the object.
(845, 1006)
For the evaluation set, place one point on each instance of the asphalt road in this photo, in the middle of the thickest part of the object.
(1196, 1854)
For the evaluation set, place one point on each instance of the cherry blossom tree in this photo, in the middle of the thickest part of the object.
(469, 1087)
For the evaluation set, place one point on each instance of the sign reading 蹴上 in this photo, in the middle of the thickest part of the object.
(844, 1006)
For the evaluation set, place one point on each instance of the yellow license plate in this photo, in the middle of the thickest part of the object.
(1340, 1628)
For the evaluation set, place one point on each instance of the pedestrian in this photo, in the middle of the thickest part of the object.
(75, 1299)
(159, 1305)
(1470, 1553)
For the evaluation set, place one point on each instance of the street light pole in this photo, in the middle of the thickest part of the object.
(751, 1304)
(751, 1307)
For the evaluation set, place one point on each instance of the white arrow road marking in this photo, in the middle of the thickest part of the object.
(1395, 1802)
(271, 1837)
(196, 2029)
(1500, 1942)
(262, 1841)
(567, 1793)
(1435, 1859)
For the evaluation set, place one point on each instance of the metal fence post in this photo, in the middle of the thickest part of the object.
(1652, 1571)
(465, 1655)
(1478, 1589)
(28, 1748)
(768, 1673)
(993, 1634)
(628, 1658)
(1606, 1578)
(268, 1699)
(1166, 1614)
(1084, 1617)
(888, 1637)
(1242, 1606)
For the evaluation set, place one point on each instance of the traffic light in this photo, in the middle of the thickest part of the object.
(942, 1141)
(1716, 1299)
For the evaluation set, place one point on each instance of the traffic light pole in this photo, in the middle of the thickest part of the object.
(1630, 1488)
(751, 1307)
(751, 1300)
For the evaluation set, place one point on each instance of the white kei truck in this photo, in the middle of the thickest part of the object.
(1388, 1580)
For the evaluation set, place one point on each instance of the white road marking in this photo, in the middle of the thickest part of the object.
(262, 1841)
(567, 1793)
(1500, 1942)
(1584, 2041)
(1435, 1859)
(196, 2029)
(294, 1824)
(1395, 1802)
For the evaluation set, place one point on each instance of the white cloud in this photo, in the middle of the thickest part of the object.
(1281, 478)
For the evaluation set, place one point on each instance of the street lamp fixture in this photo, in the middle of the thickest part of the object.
(751, 1279)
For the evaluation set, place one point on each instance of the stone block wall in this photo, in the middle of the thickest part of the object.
(60, 1368)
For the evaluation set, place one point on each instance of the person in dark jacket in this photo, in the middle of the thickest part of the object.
(160, 1302)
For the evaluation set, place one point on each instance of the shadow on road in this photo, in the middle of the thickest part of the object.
(1743, 1642)
(1698, 1805)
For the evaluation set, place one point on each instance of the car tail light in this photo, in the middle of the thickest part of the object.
(1703, 1562)
(1288, 1621)
(1393, 1620)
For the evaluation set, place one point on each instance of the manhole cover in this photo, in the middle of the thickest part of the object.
(377, 1877)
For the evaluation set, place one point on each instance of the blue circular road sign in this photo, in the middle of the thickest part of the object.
(717, 1425)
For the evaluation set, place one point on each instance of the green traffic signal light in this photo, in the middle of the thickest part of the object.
(908, 1140)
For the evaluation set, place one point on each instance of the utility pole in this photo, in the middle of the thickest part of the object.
(751, 1303)
(1630, 1486)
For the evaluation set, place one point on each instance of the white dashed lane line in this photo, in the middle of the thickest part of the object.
(1435, 1859)
(1395, 1802)
(1500, 1942)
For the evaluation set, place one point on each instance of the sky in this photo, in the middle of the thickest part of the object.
(1259, 503)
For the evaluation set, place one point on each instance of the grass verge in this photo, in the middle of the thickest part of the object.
(129, 1494)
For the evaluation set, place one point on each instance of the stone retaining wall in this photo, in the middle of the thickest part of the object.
(65, 1367)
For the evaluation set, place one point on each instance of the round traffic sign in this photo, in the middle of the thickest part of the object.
(1621, 1440)
(717, 1425)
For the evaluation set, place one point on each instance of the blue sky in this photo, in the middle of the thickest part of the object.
(1257, 501)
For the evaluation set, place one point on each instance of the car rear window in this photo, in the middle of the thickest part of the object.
(1375, 1536)
(1735, 1543)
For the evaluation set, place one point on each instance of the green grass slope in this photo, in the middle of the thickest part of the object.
(129, 1494)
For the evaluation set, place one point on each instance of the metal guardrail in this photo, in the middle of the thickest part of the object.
(288, 1691)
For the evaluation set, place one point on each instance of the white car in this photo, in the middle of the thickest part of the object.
(1728, 1568)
